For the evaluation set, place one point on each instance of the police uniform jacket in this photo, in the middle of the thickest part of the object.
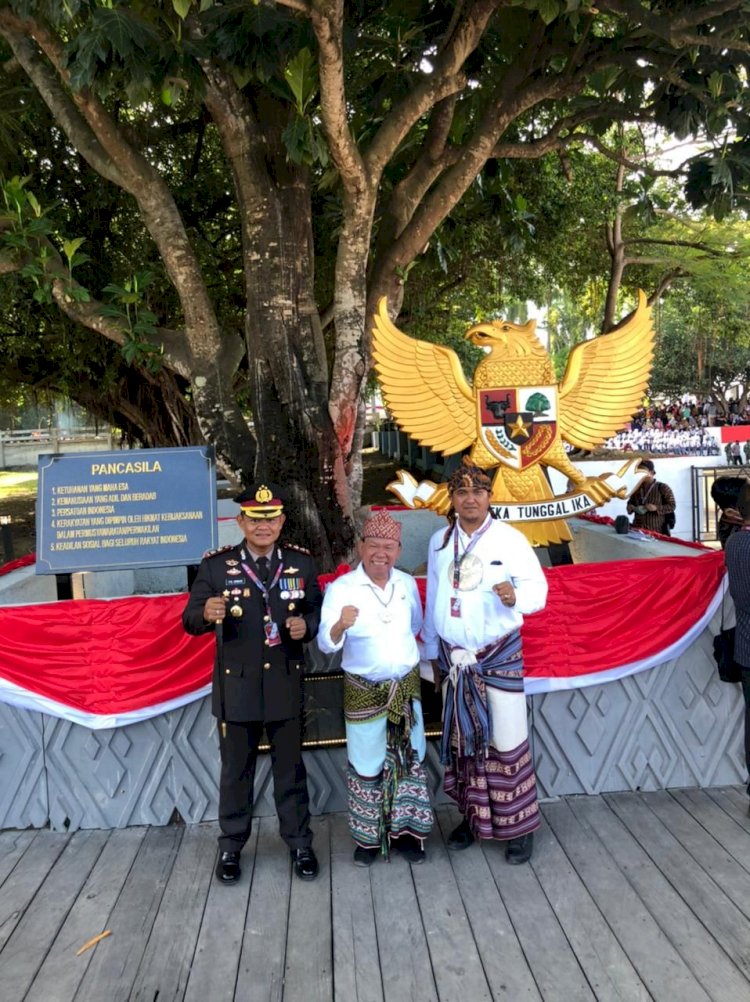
(261, 681)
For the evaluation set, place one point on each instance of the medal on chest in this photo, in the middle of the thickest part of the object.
(465, 572)
(469, 574)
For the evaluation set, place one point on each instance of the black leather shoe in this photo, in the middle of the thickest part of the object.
(411, 849)
(365, 857)
(305, 863)
(519, 850)
(228, 867)
(461, 837)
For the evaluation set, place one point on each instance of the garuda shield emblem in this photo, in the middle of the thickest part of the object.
(518, 425)
(516, 417)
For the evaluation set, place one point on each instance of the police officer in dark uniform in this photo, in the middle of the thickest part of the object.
(267, 597)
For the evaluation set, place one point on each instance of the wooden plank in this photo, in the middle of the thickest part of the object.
(606, 965)
(687, 814)
(356, 965)
(553, 963)
(60, 974)
(734, 802)
(658, 963)
(710, 964)
(456, 963)
(727, 830)
(703, 897)
(13, 844)
(402, 947)
(24, 881)
(262, 960)
(164, 969)
(505, 967)
(213, 972)
(31, 939)
(308, 975)
(113, 969)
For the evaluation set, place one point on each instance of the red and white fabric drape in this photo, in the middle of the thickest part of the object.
(109, 663)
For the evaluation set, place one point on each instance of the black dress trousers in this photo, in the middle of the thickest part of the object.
(239, 754)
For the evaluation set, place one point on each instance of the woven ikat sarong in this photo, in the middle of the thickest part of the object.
(496, 794)
(398, 801)
(410, 813)
(495, 790)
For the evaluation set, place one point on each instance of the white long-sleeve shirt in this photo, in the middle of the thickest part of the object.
(505, 555)
(373, 648)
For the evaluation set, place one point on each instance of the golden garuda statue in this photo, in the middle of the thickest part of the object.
(515, 417)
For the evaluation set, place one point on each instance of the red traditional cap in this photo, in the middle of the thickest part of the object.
(381, 526)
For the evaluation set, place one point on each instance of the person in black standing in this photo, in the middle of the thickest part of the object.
(737, 559)
(724, 492)
(266, 596)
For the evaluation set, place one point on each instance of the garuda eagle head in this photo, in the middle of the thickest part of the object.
(504, 339)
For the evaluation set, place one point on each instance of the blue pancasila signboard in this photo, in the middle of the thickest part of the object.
(114, 510)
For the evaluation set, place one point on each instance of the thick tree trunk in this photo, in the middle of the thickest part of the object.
(289, 380)
(297, 445)
(289, 388)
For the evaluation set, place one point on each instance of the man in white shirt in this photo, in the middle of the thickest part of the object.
(374, 614)
(482, 578)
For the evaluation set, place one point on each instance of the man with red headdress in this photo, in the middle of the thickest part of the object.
(482, 578)
(266, 597)
(373, 614)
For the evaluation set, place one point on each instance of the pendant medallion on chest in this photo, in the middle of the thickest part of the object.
(471, 572)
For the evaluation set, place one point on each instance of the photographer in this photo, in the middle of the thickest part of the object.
(652, 503)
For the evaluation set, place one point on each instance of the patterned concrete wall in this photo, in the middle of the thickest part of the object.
(23, 783)
(675, 725)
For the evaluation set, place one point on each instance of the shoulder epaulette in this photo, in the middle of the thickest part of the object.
(293, 546)
(221, 549)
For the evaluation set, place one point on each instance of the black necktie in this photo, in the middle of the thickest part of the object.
(262, 563)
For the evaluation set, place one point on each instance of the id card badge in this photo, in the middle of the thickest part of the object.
(456, 607)
(272, 634)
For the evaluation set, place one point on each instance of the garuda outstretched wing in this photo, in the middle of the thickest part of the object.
(605, 380)
(423, 387)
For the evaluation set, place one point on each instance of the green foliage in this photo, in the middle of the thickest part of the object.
(301, 75)
(525, 230)
(127, 304)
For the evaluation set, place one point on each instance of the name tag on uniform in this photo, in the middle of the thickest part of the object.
(271, 631)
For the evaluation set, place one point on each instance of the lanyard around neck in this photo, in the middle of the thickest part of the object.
(257, 581)
(472, 542)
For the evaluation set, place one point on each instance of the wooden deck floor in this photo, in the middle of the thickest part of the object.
(629, 896)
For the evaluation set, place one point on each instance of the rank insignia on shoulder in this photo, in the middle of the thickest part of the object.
(221, 549)
(294, 546)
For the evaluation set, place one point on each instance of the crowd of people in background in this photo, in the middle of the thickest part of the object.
(677, 429)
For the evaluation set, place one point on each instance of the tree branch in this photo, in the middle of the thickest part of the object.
(328, 23)
(674, 28)
(447, 78)
(16, 31)
(303, 6)
(693, 244)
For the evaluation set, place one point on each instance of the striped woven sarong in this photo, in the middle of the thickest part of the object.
(497, 793)
(495, 790)
(398, 801)
(466, 719)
